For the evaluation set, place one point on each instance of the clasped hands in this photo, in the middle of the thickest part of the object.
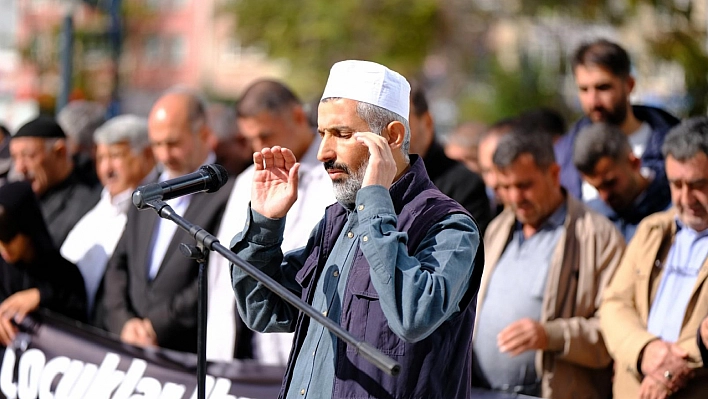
(139, 332)
(665, 370)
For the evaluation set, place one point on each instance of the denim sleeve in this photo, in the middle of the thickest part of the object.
(259, 244)
(417, 293)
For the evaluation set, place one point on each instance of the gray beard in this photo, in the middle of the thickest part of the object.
(345, 190)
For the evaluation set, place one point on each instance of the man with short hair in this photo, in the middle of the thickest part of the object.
(487, 146)
(40, 155)
(394, 261)
(628, 193)
(269, 114)
(124, 161)
(150, 287)
(450, 176)
(657, 299)
(79, 119)
(232, 150)
(548, 259)
(602, 74)
(462, 144)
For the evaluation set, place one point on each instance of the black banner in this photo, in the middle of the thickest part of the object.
(57, 358)
(54, 358)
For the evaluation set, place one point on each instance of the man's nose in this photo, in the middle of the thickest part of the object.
(325, 152)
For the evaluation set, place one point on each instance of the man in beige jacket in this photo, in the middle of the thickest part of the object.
(658, 298)
(548, 258)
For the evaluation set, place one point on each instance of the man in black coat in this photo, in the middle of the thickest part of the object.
(40, 155)
(450, 176)
(150, 288)
(32, 272)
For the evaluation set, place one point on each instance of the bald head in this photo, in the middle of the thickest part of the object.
(178, 131)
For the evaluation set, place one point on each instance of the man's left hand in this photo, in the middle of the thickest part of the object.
(382, 167)
(521, 336)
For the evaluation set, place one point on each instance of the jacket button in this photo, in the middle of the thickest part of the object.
(302, 391)
(365, 238)
(350, 234)
(361, 207)
(335, 274)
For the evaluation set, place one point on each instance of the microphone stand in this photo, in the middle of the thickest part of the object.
(205, 243)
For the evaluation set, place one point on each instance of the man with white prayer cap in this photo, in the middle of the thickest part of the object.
(395, 262)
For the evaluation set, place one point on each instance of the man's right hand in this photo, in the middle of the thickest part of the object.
(666, 362)
(139, 332)
(275, 182)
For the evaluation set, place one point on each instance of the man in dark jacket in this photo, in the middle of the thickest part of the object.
(602, 75)
(627, 192)
(394, 261)
(40, 155)
(32, 272)
(450, 176)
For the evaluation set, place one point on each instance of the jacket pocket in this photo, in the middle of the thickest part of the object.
(304, 276)
(366, 319)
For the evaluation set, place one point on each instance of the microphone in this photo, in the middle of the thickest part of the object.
(208, 178)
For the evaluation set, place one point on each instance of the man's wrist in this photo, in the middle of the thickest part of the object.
(640, 358)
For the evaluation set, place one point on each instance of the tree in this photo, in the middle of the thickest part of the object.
(407, 35)
(314, 34)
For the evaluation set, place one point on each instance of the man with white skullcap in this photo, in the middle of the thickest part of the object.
(395, 262)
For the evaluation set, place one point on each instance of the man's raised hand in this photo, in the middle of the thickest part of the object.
(275, 182)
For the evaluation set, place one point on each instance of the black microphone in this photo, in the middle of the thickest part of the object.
(208, 178)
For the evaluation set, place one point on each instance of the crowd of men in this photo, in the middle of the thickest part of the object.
(521, 257)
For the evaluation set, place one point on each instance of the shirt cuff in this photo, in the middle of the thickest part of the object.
(373, 201)
(263, 230)
(555, 333)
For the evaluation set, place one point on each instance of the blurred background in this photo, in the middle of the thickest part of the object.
(478, 60)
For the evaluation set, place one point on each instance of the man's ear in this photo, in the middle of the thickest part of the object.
(299, 116)
(630, 83)
(60, 148)
(396, 134)
(634, 162)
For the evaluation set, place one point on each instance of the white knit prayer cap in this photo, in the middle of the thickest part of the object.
(371, 83)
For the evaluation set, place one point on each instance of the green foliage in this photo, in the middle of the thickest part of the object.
(507, 94)
(683, 48)
(313, 34)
